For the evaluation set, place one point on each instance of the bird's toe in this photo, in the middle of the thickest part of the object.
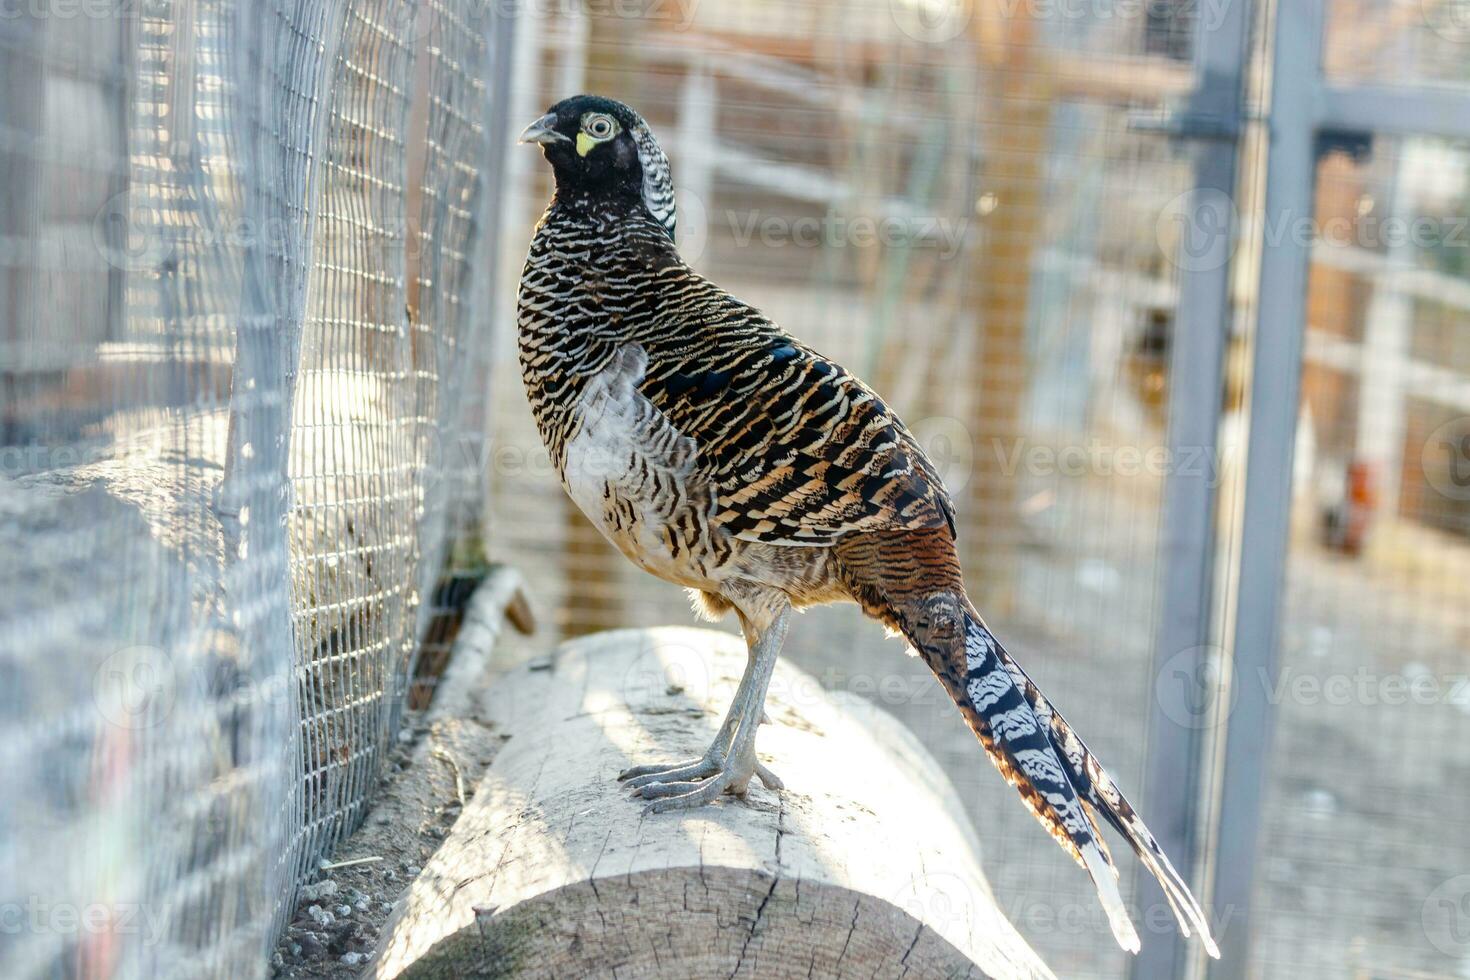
(698, 769)
(701, 793)
(651, 791)
(768, 779)
(658, 769)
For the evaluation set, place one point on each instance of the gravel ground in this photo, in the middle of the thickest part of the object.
(430, 774)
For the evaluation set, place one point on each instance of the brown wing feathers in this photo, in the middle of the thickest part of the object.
(799, 451)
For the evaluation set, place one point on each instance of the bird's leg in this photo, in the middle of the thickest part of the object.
(709, 763)
(730, 766)
(714, 756)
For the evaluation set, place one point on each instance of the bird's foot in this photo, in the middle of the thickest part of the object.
(695, 782)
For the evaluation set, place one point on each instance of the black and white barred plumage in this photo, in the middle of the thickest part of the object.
(720, 453)
(658, 179)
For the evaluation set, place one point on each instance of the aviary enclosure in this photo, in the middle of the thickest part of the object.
(1175, 293)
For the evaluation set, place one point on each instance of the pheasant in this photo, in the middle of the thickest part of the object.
(721, 454)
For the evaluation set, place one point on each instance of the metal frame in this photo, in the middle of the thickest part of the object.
(1306, 115)
(1266, 520)
(1394, 110)
(1187, 544)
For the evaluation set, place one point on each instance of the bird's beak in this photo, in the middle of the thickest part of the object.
(543, 131)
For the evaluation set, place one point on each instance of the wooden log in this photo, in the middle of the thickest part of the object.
(864, 866)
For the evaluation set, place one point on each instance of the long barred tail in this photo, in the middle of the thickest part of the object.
(911, 581)
(1060, 779)
(1093, 784)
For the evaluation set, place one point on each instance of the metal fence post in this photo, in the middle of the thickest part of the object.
(1266, 521)
(1187, 543)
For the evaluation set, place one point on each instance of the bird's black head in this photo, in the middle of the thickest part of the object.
(601, 148)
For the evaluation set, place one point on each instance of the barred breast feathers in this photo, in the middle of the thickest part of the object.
(797, 450)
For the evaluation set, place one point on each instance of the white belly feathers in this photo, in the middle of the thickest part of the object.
(632, 473)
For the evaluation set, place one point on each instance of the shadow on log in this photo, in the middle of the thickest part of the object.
(864, 866)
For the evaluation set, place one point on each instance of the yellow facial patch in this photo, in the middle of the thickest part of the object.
(585, 144)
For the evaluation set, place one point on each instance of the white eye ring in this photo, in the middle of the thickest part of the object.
(599, 127)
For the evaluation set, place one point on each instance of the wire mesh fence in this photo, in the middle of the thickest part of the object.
(241, 367)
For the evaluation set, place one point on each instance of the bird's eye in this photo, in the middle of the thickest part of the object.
(600, 127)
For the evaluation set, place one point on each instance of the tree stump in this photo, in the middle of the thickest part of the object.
(864, 866)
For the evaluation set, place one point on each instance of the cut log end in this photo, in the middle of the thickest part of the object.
(864, 866)
(688, 922)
